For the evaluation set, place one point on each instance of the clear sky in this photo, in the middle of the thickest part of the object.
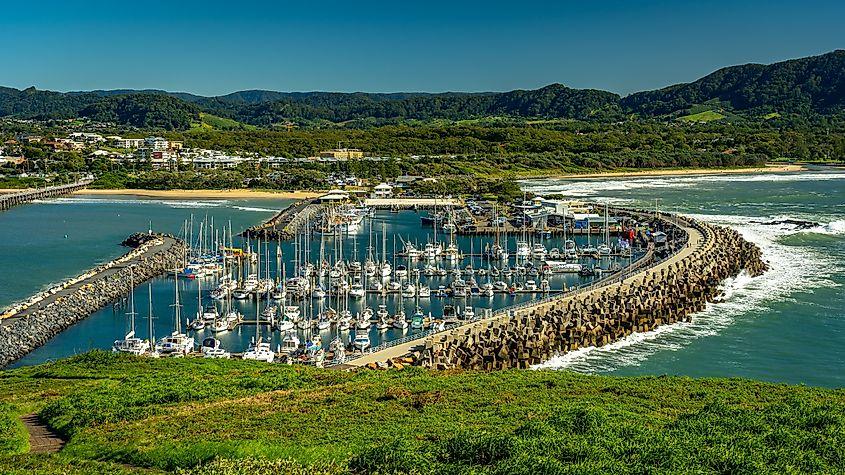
(213, 47)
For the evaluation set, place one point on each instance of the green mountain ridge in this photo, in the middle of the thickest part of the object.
(806, 87)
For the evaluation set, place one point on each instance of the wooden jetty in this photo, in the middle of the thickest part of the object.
(9, 200)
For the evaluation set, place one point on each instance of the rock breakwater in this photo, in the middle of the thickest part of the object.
(31, 324)
(667, 293)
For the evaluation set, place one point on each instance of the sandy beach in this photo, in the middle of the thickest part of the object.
(222, 194)
(685, 171)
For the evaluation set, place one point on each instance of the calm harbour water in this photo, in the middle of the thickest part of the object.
(95, 225)
(785, 326)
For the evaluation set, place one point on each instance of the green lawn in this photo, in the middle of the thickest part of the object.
(209, 121)
(205, 416)
(705, 116)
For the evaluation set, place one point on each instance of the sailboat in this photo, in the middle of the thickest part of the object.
(604, 248)
(130, 343)
(177, 343)
(199, 321)
(259, 350)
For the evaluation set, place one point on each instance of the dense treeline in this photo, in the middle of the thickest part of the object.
(793, 92)
(634, 145)
(137, 109)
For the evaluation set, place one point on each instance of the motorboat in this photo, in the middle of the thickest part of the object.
(290, 342)
(211, 349)
(362, 340)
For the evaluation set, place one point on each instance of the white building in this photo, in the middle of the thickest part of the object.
(157, 143)
(382, 190)
(86, 137)
(121, 142)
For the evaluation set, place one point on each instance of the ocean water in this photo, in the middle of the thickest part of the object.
(49, 241)
(787, 325)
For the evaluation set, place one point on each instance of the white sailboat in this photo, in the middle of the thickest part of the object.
(177, 343)
(130, 343)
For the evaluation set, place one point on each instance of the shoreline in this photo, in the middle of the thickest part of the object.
(238, 193)
(677, 172)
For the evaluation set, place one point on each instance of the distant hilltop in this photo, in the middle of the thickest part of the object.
(807, 87)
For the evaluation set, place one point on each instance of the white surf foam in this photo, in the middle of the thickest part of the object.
(792, 269)
(261, 210)
(599, 185)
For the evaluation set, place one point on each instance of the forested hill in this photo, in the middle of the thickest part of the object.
(812, 85)
(177, 111)
(806, 87)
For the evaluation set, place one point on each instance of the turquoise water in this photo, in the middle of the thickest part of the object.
(785, 326)
(95, 225)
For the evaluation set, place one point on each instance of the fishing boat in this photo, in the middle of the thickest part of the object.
(469, 313)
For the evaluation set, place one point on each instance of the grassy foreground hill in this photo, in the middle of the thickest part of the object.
(129, 415)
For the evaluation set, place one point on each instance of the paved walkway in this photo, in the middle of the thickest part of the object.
(66, 291)
(42, 440)
(696, 240)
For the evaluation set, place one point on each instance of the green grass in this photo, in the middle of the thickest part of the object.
(704, 116)
(771, 115)
(209, 121)
(205, 416)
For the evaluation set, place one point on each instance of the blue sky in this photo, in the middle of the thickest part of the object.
(213, 47)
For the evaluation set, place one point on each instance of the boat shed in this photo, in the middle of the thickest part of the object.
(334, 196)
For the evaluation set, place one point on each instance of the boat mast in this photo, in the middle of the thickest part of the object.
(131, 304)
(177, 315)
(150, 314)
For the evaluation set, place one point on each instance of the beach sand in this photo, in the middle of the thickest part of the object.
(686, 171)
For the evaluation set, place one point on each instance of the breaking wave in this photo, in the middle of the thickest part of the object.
(792, 269)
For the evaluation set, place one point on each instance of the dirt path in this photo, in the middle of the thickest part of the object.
(42, 440)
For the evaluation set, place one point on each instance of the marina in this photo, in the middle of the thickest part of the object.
(350, 287)
(89, 241)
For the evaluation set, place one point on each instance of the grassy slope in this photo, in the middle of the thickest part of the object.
(210, 121)
(705, 116)
(173, 413)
